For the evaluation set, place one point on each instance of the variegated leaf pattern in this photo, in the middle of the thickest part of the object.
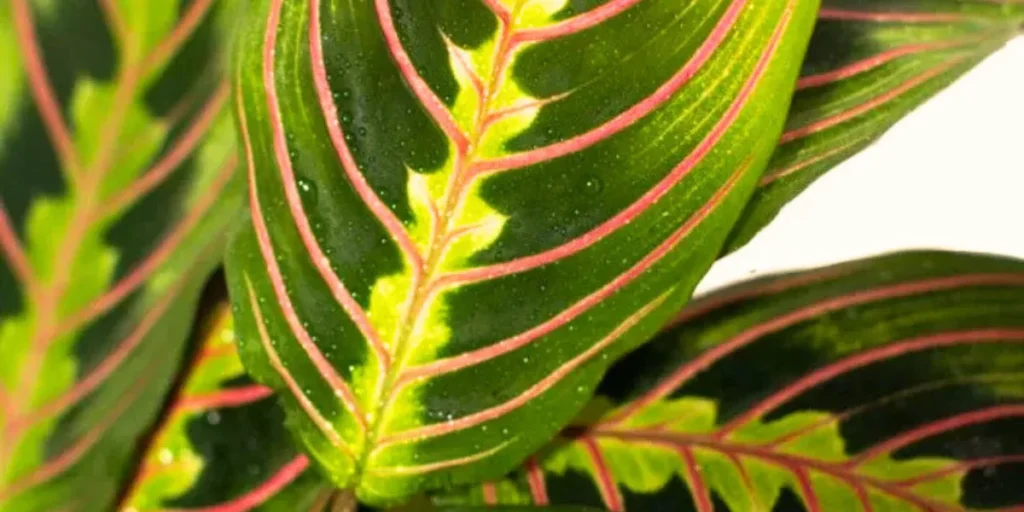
(117, 183)
(464, 210)
(889, 384)
(222, 444)
(870, 63)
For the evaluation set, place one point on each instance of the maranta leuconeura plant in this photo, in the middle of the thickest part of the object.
(451, 222)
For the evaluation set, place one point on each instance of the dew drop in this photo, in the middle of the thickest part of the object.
(213, 418)
(308, 190)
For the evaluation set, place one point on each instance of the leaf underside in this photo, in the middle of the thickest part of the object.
(894, 383)
(117, 160)
(870, 63)
(464, 210)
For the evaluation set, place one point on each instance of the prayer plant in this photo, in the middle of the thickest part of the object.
(460, 240)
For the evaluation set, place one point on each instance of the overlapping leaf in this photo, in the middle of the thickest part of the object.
(869, 64)
(464, 210)
(895, 383)
(117, 159)
(222, 444)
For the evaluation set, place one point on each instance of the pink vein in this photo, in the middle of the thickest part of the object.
(807, 490)
(603, 477)
(478, 356)
(11, 247)
(889, 16)
(323, 366)
(863, 359)
(875, 61)
(862, 496)
(630, 116)
(184, 147)
(541, 387)
(682, 375)
(935, 428)
(869, 105)
(42, 90)
(316, 255)
(266, 490)
(186, 26)
(334, 129)
(535, 479)
(158, 256)
(229, 397)
(962, 465)
(577, 23)
(419, 86)
(499, 10)
(275, 361)
(437, 466)
(639, 206)
(701, 497)
(748, 483)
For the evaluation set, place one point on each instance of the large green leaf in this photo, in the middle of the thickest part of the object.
(895, 383)
(117, 159)
(464, 210)
(869, 64)
(222, 443)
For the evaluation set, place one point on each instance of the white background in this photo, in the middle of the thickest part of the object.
(948, 176)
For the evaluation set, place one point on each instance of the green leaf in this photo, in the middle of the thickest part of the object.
(894, 383)
(117, 184)
(463, 211)
(869, 64)
(222, 441)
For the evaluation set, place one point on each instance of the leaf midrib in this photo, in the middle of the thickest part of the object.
(440, 239)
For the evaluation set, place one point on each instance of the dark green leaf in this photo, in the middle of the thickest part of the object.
(895, 383)
(117, 162)
(869, 64)
(463, 211)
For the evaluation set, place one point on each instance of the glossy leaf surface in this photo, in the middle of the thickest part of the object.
(222, 444)
(895, 383)
(869, 64)
(117, 160)
(464, 210)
